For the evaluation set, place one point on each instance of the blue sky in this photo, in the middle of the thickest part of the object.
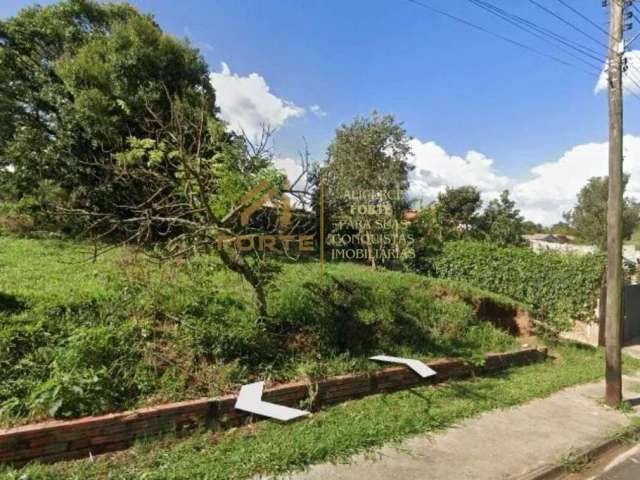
(452, 85)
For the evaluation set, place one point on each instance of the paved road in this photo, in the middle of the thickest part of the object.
(496, 445)
(625, 467)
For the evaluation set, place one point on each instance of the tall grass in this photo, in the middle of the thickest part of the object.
(80, 337)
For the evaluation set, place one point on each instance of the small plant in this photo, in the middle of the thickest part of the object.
(625, 407)
(69, 394)
(573, 461)
(629, 434)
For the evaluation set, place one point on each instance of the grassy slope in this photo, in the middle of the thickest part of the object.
(336, 433)
(80, 338)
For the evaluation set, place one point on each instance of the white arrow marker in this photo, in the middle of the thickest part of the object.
(250, 400)
(416, 365)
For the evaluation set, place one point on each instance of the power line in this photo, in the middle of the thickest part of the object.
(498, 35)
(635, 83)
(505, 16)
(566, 22)
(631, 66)
(628, 44)
(633, 78)
(545, 31)
(629, 76)
(633, 5)
(542, 33)
(583, 16)
(517, 43)
(630, 3)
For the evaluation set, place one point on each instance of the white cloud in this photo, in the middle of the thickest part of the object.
(630, 80)
(247, 104)
(543, 198)
(316, 110)
(435, 169)
(291, 167)
(555, 185)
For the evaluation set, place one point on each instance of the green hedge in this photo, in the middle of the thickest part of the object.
(557, 286)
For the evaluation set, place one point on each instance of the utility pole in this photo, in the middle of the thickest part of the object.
(614, 208)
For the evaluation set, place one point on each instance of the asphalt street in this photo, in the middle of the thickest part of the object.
(620, 466)
(625, 467)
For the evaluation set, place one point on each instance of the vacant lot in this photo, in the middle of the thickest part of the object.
(79, 336)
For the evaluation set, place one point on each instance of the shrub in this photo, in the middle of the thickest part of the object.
(558, 287)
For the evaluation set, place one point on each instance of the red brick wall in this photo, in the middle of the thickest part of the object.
(58, 440)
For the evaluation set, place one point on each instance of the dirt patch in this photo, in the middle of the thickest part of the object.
(512, 319)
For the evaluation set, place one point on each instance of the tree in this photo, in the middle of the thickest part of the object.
(561, 228)
(115, 123)
(502, 222)
(78, 80)
(192, 173)
(459, 209)
(429, 234)
(529, 227)
(368, 155)
(589, 217)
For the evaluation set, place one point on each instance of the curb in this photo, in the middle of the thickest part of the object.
(589, 454)
(57, 440)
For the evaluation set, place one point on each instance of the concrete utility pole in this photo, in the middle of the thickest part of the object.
(614, 209)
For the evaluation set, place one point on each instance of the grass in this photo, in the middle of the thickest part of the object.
(629, 434)
(574, 461)
(53, 273)
(79, 337)
(336, 433)
(125, 333)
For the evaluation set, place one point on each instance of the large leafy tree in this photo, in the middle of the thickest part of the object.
(368, 155)
(113, 124)
(78, 79)
(501, 221)
(459, 209)
(371, 154)
(588, 219)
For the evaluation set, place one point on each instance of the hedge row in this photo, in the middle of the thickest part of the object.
(558, 287)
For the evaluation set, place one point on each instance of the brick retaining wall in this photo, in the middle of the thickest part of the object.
(59, 440)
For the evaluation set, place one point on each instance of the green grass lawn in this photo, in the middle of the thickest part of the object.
(53, 273)
(79, 337)
(336, 433)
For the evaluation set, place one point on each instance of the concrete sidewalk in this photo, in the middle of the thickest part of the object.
(500, 444)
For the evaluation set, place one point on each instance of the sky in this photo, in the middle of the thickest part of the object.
(480, 110)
